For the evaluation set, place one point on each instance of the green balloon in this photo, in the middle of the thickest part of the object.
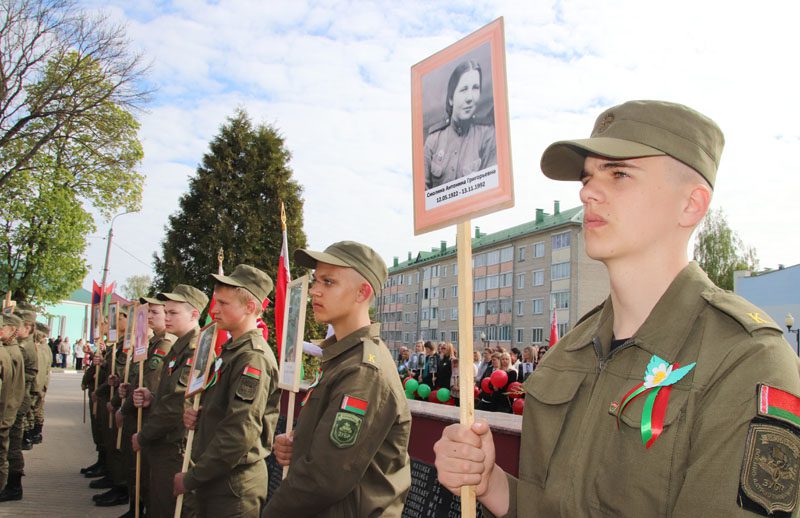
(409, 394)
(412, 385)
(443, 395)
(424, 391)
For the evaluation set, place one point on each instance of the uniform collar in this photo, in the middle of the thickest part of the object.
(184, 341)
(246, 337)
(667, 326)
(331, 347)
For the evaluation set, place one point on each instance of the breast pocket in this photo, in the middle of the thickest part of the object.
(549, 396)
(648, 473)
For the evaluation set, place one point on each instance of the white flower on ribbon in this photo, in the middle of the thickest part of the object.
(656, 374)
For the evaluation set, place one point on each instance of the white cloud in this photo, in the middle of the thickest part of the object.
(334, 78)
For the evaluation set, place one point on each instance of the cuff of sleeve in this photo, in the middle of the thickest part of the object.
(189, 482)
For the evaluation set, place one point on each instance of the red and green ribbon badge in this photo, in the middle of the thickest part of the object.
(658, 380)
(317, 379)
(212, 379)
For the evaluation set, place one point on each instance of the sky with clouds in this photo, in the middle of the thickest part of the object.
(334, 77)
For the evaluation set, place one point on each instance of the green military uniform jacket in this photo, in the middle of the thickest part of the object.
(157, 349)
(119, 370)
(103, 388)
(43, 375)
(350, 450)
(7, 377)
(576, 461)
(240, 411)
(165, 422)
(28, 349)
(14, 391)
(458, 150)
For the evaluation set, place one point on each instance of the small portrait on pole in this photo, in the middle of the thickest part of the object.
(203, 357)
(294, 319)
(113, 322)
(131, 312)
(140, 333)
(461, 149)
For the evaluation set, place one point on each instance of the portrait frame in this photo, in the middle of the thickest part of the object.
(127, 339)
(479, 192)
(294, 321)
(203, 358)
(96, 323)
(140, 332)
(113, 322)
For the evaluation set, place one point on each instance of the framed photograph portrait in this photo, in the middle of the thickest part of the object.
(294, 323)
(113, 322)
(96, 323)
(141, 333)
(128, 338)
(460, 133)
(203, 358)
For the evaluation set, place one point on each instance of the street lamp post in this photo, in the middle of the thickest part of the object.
(789, 321)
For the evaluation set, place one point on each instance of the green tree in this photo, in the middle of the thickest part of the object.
(137, 286)
(720, 251)
(44, 214)
(234, 203)
(46, 48)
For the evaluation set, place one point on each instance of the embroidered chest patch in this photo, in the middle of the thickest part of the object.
(769, 475)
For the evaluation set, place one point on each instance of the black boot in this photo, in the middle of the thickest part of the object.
(102, 483)
(13, 489)
(117, 496)
(36, 435)
(131, 512)
(27, 444)
(102, 496)
(94, 466)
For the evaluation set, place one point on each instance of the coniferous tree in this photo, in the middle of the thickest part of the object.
(234, 203)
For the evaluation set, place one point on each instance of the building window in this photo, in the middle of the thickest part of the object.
(455, 269)
(520, 335)
(538, 278)
(560, 240)
(538, 249)
(562, 329)
(455, 291)
(499, 333)
(424, 293)
(434, 292)
(426, 274)
(560, 299)
(409, 279)
(559, 271)
(521, 253)
(442, 315)
(433, 313)
(538, 335)
(441, 336)
(443, 293)
(505, 305)
(424, 314)
(493, 258)
(507, 254)
(434, 271)
(492, 282)
(480, 284)
(454, 337)
(492, 307)
(444, 270)
(538, 306)
(479, 260)
(520, 280)
(480, 309)
(520, 308)
(505, 279)
(453, 313)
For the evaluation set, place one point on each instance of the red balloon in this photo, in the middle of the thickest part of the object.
(477, 392)
(515, 390)
(432, 396)
(499, 379)
(486, 386)
(451, 402)
(518, 405)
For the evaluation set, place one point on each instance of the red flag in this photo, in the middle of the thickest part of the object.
(96, 290)
(554, 329)
(284, 276)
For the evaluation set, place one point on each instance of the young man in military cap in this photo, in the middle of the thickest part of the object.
(36, 415)
(239, 405)
(162, 437)
(349, 452)
(159, 345)
(672, 398)
(12, 392)
(16, 462)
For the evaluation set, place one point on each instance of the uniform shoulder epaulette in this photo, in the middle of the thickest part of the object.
(749, 316)
(439, 126)
(370, 349)
(170, 338)
(590, 313)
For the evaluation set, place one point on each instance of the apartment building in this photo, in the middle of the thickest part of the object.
(519, 275)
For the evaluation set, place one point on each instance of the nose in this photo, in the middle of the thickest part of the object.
(591, 192)
(313, 289)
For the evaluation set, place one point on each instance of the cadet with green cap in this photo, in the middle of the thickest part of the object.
(158, 348)
(42, 382)
(13, 388)
(239, 409)
(673, 397)
(349, 452)
(16, 462)
(162, 437)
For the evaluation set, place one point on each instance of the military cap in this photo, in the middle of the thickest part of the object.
(639, 129)
(252, 279)
(42, 328)
(12, 320)
(151, 300)
(349, 254)
(185, 293)
(26, 315)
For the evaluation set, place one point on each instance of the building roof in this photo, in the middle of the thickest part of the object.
(81, 295)
(547, 222)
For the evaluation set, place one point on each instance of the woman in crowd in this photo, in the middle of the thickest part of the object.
(488, 400)
(431, 365)
(445, 369)
(79, 353)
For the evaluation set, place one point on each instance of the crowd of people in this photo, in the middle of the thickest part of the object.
(438, 367)
(65, 353)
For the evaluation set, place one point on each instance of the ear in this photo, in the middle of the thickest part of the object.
(253, 307)
(364, 292)
(695, 206)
